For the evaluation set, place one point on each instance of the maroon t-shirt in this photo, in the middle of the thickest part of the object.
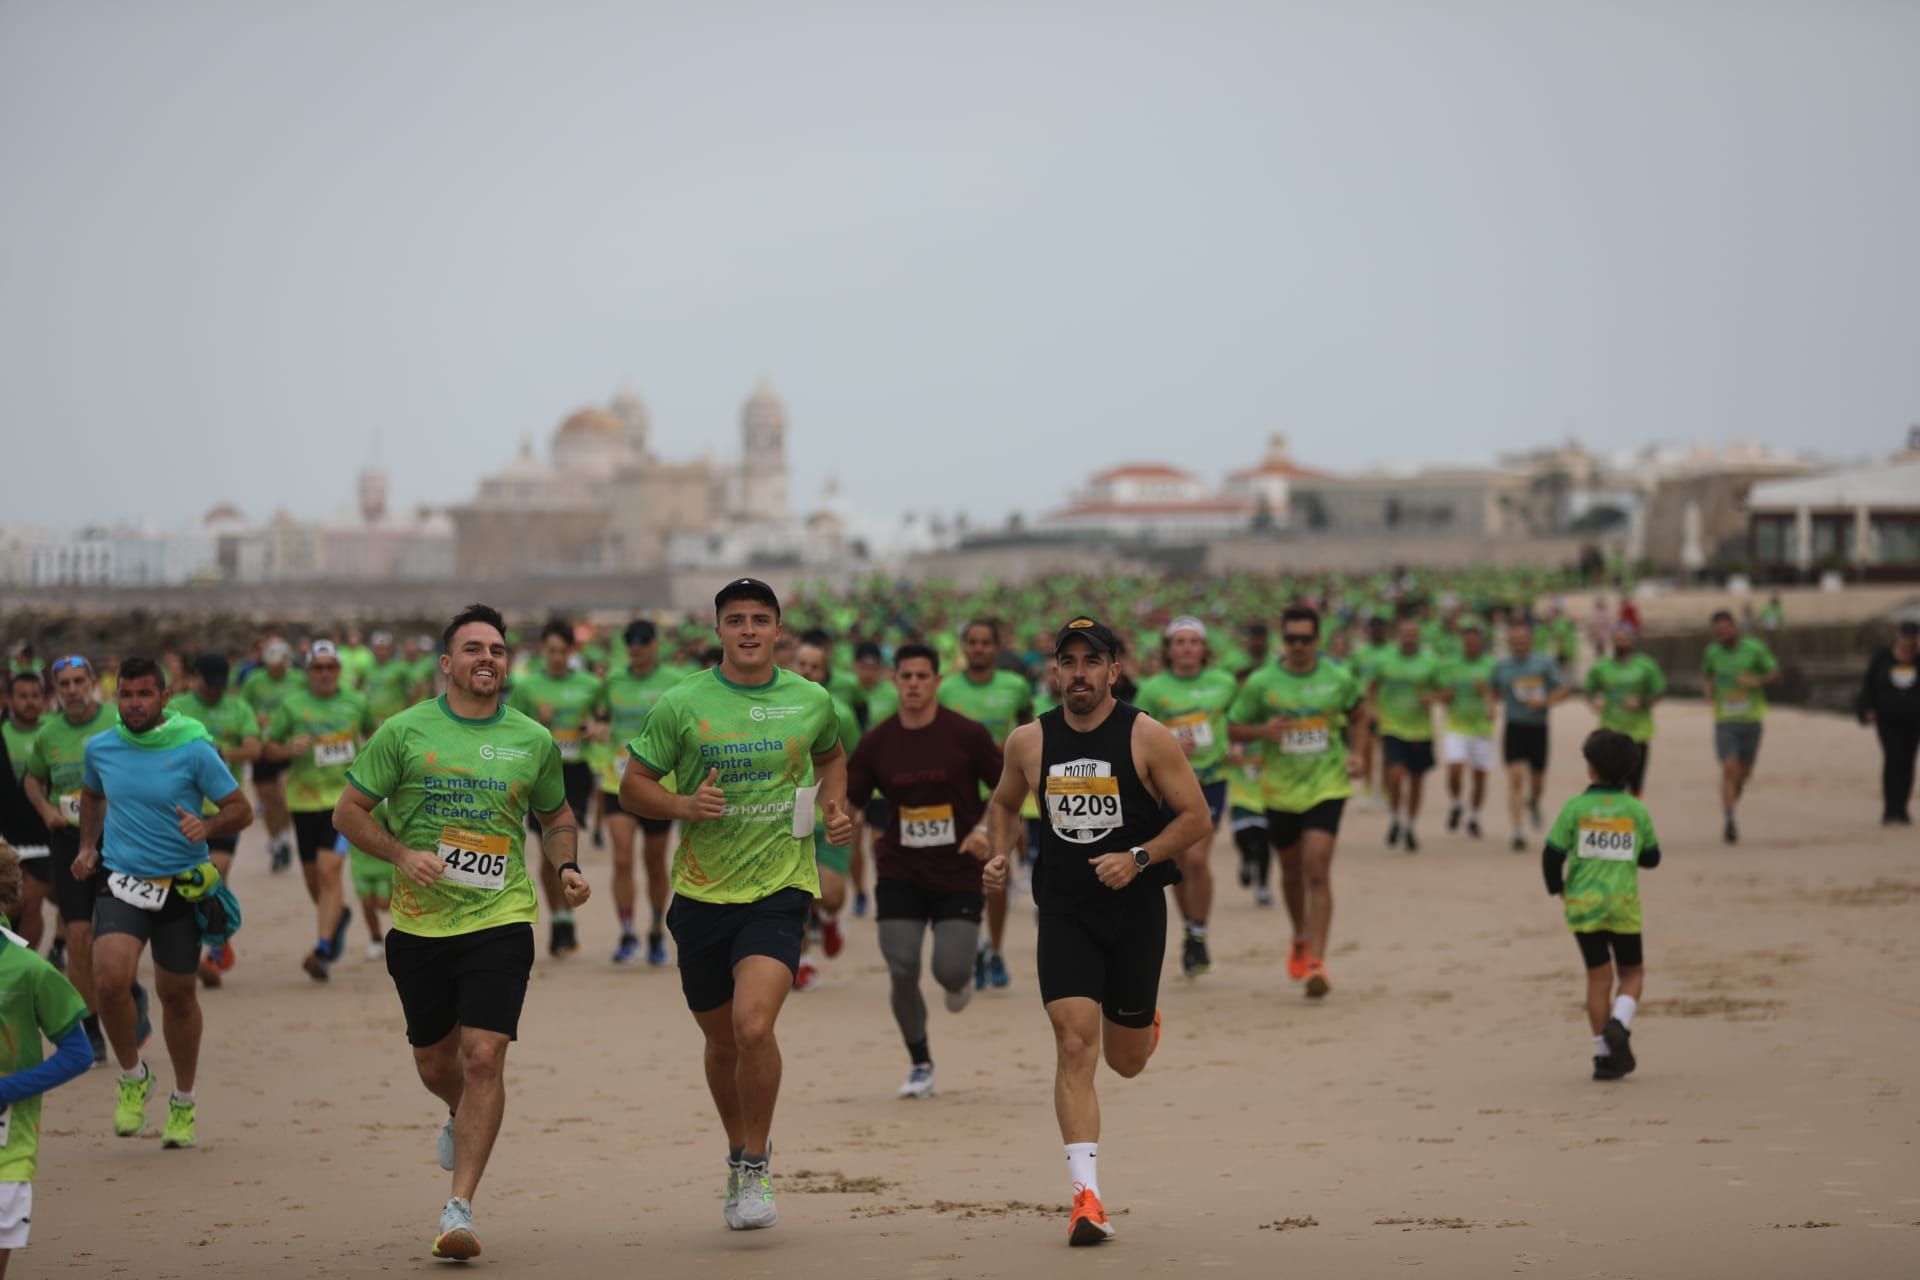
(925, 774)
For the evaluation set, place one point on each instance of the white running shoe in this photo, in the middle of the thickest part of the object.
(958, 1000)
(444, 1147)
(376, 951)
(456, 1239)
(730, 1211)
(756, 1211)
(919, 1081)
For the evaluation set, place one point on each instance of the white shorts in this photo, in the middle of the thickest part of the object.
(16, 1214)
(1458, 748)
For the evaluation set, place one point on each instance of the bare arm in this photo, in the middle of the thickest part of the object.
(37, 797)
(93, 816)
(235, 816)
(1006, 833)
(641, 793)
(1169, 774)
(830, 776)
(353, 818)
(560, 841)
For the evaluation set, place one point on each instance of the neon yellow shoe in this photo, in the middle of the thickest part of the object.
(179, 1132)
(130, 1113)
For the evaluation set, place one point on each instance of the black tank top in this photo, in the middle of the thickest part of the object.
(1092, 802)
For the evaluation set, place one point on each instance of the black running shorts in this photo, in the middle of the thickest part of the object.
(172, 932)
(1525, 742)
(713, 937)
(476, 980)
(313, 834)
(1106, 951)
(1596, 948)
(905, 900)
(1285, 829)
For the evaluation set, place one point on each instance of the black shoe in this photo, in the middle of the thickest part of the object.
(1246, 872)
(1453, 818)
(599, 838)
(1393, 834)
(563, 940)
(1731, 834)
(57, 954)
(339, 938)
(281, 856)
(1620, 1042)
(1473, 827)
(1407, 839)
(1194, 959)
(1519, 844)
(1603, 1068)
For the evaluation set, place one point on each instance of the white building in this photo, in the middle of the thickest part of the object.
(1159, 503)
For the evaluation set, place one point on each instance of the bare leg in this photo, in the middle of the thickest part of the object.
(115, 958)
(33, 901)
(439, 1068)
(1076, 1038)
(743, 1057)
(1479, 789)
(328, 893)
(622, 828)
(1196, 903)
(1316, 863)
(654, 851)
(180, 1022)
(1633, 981)
(483, 1062)
(1599, 997)
(1517, 794)
(1293, 888)
(1127, 1048)
(1416, 783)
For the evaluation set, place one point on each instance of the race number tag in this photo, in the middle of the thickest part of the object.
(803, 806)
(1608, 839)
(1735, 704)
(27, 853)
(569, 742)
(1083, 804)
(927, 827)
(475, 860)
(1902, 677)
(148, 895)
(1306, 736)
(1529, 689)
(70, 806)
(620, 764)
(1194, 731)
(334, 749)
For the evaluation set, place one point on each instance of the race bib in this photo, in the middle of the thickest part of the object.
(148, 895)
(1194, 731)
(928, 827)
(1608, 839)
(27, 853)
(70, 806)
(1529, 688)
(569, 742)
(620, 764)
(803, 805)
(332, 750)
(1307, 736)
(1735, 704)
(1902, 677)
(475, 860)
(1083, 804)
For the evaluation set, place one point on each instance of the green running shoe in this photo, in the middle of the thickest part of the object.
(130, 1113)
(179, 1131)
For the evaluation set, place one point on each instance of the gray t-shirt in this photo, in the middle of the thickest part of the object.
(1514, 680)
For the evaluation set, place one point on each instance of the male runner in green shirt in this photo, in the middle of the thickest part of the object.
(1623, 688)
(628, 696)
(1406, 687)
(558, 692)
(1468, 680)
(1736, 671)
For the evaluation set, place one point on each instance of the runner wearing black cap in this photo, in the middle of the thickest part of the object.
(1120, 802)
(756, 750)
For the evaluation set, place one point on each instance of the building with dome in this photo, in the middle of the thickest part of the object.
(602, 501)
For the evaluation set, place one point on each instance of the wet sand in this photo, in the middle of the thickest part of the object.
(1435, 1113)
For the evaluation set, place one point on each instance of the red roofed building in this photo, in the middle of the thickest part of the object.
(1155, 502)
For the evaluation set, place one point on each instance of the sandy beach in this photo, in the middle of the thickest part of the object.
(1434, 1114)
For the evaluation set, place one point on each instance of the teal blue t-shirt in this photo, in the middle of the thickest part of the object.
(144, 786)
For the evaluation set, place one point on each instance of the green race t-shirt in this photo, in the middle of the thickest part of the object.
(462, 788)
(338, 726)
(564, 704)
(1723, 668)
(997, 703)
(1402, 680)
(882, 701)
(1468, 681)
(1603, 833)
(1615, 682)
(265, 694)
(628, 700)
(762, 739)
(60, 752)
(1309, 763)
(20, 745)
(36, 1003)
(1195, 709)
(389, 687)
(229, 722)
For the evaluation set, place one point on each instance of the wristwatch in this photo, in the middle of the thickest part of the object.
(1141, 858)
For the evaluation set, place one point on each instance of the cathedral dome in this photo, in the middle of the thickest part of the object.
(764, 409)
(589, 424)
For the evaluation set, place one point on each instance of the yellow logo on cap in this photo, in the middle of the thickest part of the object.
(1081, 622)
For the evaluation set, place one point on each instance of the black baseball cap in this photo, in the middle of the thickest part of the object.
(213, 668)
(641, 631)
(747, 589)
(1094, 633)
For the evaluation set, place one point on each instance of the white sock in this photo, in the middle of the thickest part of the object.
(140, 1074)
(1600, 1049)
(1080, 1165)
(186, 1098)
(1624, 1008)
(1400, 817)
(1197, 930)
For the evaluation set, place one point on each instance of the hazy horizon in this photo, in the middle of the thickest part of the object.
(980, 253)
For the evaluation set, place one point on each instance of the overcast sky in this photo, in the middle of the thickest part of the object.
(981, 250)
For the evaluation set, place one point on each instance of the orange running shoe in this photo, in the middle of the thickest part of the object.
(1317, 983)
(226, 957)
(1089, 1223)
(1298, 961)
(209, 972)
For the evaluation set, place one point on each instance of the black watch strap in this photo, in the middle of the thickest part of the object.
(568, 866)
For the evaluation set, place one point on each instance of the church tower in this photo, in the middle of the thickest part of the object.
(763, 458)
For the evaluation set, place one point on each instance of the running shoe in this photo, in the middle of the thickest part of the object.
(1393, 833)
(562, 939)
(179, 1133)
(443, 1145)
(339, 938)
(832, 940)
(456, 1239)
(1317, 983)
(1520, 846)
(1534, 815)
(628, 951)
(980, 966)
(315, 964)
(1473, 828)
(599, 838)
(997, 975)
(806, 977)
(1731, 834)
(756, 1211)
(1299, 959)
(209, 970)
(280, 855)
(919, 1081)
(730, 1211)
(860, 904)
(656, 949)
(1246, 874)
(376, 950)
(1194, 959)
(1603, 1068)
(959, 998)
(1620, 1044)
(1409, 841)
(1262, 896)
(1089, 1224)
(1453, 818)
(130, 1112)
(142, 1024)
(226, 957)
(98, 1042)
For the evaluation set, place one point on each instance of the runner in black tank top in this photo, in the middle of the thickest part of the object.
(1103, 772)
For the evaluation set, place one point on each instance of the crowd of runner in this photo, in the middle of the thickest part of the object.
(913, 755)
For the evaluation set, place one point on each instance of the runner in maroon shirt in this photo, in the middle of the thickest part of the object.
(930, 764)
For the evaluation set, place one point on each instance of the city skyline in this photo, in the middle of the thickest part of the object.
(1022, 247)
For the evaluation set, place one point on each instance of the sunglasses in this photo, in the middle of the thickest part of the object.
(61, 664)
(1297, 638)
